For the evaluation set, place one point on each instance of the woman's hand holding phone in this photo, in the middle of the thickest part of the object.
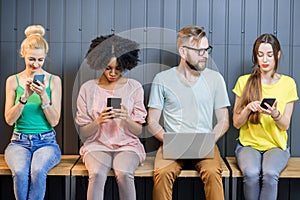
(38, 88)
(36, 85)
(267, 102)
(114, 106)
(38, 79)
(121, 113)
(105, 116)
(269, 106)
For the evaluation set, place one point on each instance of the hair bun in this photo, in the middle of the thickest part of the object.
(35, 30)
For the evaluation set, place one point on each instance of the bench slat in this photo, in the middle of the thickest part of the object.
(236, 172)
(65, 165)
(146, 170)
(292, 169)
(4, 170)
(61, 169)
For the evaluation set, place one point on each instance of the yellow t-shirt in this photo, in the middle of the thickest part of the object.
(267, 134)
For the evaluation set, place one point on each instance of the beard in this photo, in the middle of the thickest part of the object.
(192, 67)
(199, 66)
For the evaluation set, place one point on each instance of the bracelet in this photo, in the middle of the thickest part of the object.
(47, 105)
(276, 117)
(22, 102)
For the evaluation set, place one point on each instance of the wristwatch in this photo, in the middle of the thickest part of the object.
(22, 102)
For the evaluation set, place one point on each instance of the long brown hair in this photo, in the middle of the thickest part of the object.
(253, 88)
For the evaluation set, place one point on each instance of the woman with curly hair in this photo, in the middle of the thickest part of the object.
(110, 135)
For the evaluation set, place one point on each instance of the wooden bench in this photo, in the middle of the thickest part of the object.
(146, 170)
(292, 170)
(61, 169)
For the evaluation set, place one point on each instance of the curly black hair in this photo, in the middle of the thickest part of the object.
(103, 48)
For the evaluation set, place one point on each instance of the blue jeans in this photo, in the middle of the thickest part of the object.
(261, 171)
(30, 157)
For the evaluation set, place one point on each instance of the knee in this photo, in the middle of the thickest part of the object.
(20, 174)
(163, 175)
(248, 172)
(210, 172)
(251, 175)
(270, 177)
(38, 172)
(97, 175)
(124, 175)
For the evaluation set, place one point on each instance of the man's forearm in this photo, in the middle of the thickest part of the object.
(156, 130)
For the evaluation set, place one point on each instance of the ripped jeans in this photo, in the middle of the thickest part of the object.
(30, 157)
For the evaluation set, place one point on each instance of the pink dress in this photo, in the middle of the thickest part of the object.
(113, 136)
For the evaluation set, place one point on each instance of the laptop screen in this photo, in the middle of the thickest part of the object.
(188, 145)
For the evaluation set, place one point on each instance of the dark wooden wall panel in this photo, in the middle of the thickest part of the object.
(89, 20)
(202, 15)
(55, 21)
(267, 17)
(283, 29)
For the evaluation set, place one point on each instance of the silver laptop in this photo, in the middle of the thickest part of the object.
(188, 145)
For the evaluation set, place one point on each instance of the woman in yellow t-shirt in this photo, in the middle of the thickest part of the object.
(262, 150)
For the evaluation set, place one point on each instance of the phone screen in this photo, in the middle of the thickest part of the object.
(39, 77)
(269, 101)
(114, 102)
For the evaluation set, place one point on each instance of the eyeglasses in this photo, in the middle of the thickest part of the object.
(201, 52)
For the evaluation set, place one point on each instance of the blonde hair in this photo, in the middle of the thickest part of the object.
(190, 33)
(34, 39)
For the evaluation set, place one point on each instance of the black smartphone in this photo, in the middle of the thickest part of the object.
(114, 102)
(38, 77)
(269, 101)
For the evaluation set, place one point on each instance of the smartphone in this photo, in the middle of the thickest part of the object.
(38, 77)
(269, 101)
(114, 102)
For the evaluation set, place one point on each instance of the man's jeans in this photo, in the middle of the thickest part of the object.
(30, 157)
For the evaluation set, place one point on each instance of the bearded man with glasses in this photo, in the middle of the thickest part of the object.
(189, 95)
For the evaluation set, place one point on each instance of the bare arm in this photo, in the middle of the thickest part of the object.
(222, 122)
(133, 127)
(282, 120)
(153, 123)
(105, 116)
(91, 128)
(239, 119)
(12, 111)
(52, 112)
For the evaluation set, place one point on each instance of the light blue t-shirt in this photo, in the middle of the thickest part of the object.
(188, 109)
